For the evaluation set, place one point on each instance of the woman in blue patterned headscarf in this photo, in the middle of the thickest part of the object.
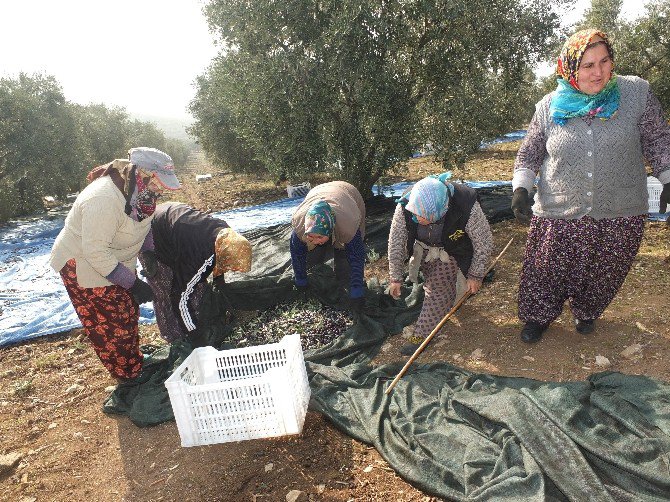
(319, 221)
(441, 226)
(331, 223)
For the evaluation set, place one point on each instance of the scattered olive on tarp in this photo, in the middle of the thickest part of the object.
(316, 324)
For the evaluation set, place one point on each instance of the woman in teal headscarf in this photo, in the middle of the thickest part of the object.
(331, 223)
(441, 226)
(586, 145)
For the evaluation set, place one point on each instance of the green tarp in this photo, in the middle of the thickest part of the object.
(452, 433)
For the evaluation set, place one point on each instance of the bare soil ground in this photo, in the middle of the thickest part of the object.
(64, 448)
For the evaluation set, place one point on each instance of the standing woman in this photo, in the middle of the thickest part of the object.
(586, 144)
(96, 253)
(330, 222)
(188, 246)
(442, 227)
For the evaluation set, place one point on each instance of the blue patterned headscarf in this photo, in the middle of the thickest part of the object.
(568, 102)
(320, 219)
(429, 198)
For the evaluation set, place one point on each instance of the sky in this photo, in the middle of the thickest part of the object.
(143, 55)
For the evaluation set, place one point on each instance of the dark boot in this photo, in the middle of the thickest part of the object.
(585, 326)
(532, 332)
(410, 348)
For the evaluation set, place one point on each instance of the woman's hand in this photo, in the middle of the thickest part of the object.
(474, 285)
(394, 290)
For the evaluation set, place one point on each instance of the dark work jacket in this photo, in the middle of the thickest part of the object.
(184, 240)
(454, 239)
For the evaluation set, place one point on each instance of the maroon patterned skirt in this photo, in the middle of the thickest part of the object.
(110, 318)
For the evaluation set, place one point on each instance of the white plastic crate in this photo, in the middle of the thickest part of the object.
(654, 188)
(298, 190)
(219, 396)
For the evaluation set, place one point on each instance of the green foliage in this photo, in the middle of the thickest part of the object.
(179, 150)
(52, 360)
(214, 128)
(47, 145)
(643, 49)
(372, 256)
(23, 387)
(37, 136)
(354, 86)
(603, 15)
(9, 200)
(474, 77)
(103, 135)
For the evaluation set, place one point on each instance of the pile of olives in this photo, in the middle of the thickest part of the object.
(316, 324)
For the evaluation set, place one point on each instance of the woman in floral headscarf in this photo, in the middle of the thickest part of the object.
(442, 227)
(96, 253)
(586, 144)
(187, 246)
(331, 222)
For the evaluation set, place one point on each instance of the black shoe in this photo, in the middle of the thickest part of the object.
(532, 332)
(585, 326)
(410, 348)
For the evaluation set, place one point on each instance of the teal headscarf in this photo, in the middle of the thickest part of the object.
(429, 197)
(568, 102)
(320, 219)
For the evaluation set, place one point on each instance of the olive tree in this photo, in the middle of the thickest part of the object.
(38, 142)
(47, 144)
(354, 86)
(644, 49)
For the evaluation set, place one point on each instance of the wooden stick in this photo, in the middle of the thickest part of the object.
(458, 304)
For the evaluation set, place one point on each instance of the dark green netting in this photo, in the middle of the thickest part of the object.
(452, 433)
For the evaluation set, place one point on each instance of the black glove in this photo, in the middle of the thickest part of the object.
(141, 292)
(149, 264)
(357, 304)
(301, 292)
(219, 282)
(197, 338)
(521, 206)
(665, 199)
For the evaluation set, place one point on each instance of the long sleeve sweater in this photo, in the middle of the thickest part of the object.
(477, 228)
(99, 235)
(595, 167)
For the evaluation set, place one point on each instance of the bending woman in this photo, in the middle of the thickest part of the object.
(96, 253)
(443, 228)
(331, 223)
(188, 246)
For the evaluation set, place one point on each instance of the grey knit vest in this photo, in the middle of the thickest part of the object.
(595, 169)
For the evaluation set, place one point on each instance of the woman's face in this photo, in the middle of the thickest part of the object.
(151, 182)
(421, 220)
(316, 239)
(595, 69)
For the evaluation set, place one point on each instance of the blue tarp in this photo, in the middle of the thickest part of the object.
(507, 138)
(33, 301)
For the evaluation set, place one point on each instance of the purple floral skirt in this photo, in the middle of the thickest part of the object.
(584, 261)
